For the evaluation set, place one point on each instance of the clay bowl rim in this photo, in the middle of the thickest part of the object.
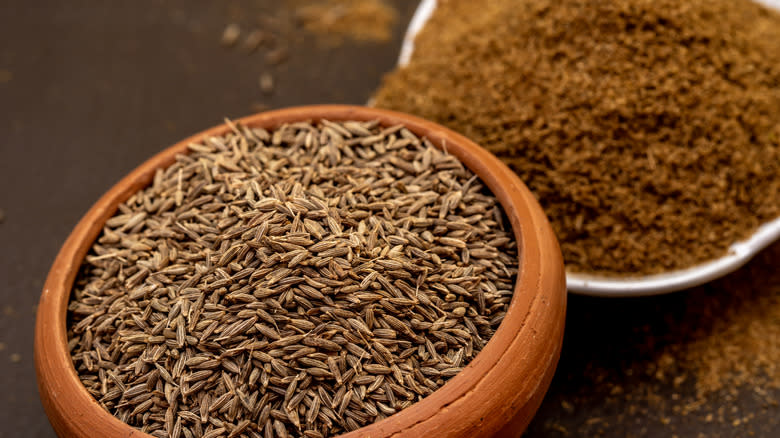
(532, 327)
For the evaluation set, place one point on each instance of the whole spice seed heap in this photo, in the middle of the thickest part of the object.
(306, 281)
(648, 129)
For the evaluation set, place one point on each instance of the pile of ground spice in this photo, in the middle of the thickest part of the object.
(359, 20)
(648, 129)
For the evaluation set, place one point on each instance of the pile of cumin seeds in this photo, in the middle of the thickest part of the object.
(649, 130)
(306, 281)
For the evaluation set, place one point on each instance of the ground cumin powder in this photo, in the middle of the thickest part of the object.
(648, 129)
(359, 20)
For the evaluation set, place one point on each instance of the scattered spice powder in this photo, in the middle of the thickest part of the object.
(277, 30)
(266, 82)
(727, 338)
(690, 363)
(230, 35)
(305, 281)
(254, 40)
(5, 75)
(264, 30)
(359, 20)
(735, 333)
(648, 129)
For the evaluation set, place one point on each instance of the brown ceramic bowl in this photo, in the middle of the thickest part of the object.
(495, 395)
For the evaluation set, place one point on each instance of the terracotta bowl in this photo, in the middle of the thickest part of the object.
(495, 395)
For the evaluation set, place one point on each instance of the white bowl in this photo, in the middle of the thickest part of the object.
(605, 286)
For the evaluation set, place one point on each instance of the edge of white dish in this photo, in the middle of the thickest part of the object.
(601, 286)
(420, 17)
(739, 254)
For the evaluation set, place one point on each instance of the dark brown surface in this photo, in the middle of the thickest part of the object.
(96, 88)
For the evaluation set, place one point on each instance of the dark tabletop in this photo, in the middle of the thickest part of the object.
(88, 90)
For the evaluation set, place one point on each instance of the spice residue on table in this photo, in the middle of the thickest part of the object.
(648, 129)
(701, 360)
(359, 20)
(273, 32)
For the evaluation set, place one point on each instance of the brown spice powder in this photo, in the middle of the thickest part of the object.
(360, 20)
(735, 332)
(699, 363)
(648, 129)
